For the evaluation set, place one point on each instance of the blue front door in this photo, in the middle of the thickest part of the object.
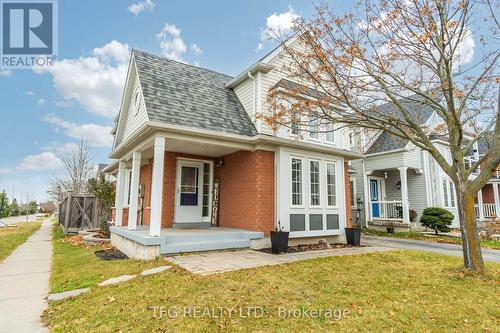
(374, 196)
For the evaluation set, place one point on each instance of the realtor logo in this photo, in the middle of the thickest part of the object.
(28, 32)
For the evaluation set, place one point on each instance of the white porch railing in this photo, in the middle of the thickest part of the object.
(387, 210)
(489, 210)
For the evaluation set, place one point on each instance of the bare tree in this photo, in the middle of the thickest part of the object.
(403, 52)
(77, 171)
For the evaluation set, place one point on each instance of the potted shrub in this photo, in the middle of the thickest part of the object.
(413, 215)
(437, 218)
(353, 235)
(279, 240)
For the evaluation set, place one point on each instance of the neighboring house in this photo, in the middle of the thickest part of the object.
(394, 176)
(196, 169)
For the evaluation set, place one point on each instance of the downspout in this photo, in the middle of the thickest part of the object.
(366, 186)
(254, 95)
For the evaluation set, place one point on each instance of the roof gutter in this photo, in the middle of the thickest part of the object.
(257, 67)
(147, 128)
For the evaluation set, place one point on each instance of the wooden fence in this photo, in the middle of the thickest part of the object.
(79, 212)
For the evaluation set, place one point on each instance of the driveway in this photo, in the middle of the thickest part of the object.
(24, 283)
(441, 248)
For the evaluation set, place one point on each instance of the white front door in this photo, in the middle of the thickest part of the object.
(188, 198)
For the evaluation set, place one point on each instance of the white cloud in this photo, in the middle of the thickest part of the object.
(278, 25)
(5, 73)
(39, 162)
(196, 49)
(29, 93)
(171, 43)
(137, 8)
(4, 171)
(61, 149)
(96, 81)
(63, 103)
(41, 102)
(96, 135)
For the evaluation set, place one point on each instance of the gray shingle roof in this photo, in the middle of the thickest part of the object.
(419, 112)
(180, 94)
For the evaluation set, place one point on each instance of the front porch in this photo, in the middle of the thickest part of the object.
(488, 202)
(191, 194)
(387, 200)
(138, 243)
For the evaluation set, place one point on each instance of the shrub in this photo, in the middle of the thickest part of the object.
(437, 218)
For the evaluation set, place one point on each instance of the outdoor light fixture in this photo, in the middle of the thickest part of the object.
(219, 163)
(385, 174)
(398, 185)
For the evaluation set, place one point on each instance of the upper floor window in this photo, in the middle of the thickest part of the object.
(295, 122)
(329, 133)
(313, 128)
(136, 101)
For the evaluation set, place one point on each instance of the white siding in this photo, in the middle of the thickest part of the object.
(131, 117)
(244, 91)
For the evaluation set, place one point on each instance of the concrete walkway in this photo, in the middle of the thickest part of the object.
(220, 262)
(441, 248)
(24, 283)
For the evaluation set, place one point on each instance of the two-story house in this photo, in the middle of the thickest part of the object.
(197, 169)
(395, 180)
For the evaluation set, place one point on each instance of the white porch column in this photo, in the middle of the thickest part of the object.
(497, 199)
(404, 193)
(157, 187)
(134, 190)
(120, 192)
(480, 205)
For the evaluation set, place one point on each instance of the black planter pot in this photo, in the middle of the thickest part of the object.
(390, 230)
(279, 241)
(353, 236)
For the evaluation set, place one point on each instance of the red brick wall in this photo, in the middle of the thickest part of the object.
(348, 212)
(247, 191)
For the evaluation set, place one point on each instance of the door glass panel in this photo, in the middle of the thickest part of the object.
(189, 186)
(206, 189)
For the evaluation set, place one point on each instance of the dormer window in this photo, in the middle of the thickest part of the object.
(136, 101)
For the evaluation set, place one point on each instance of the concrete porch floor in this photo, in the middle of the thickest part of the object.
(138, 244)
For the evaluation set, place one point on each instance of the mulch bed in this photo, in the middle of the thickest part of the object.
(309, 247)
(111, 254)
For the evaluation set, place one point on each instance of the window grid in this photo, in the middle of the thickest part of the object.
(313, 129)
(330, 184)
(452, 194)
(330, 134)
(445, 193)
(314, 181)
(296, 181)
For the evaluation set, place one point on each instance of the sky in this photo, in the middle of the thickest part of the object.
(45, 113)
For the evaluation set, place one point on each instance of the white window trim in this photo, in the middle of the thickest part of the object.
(326, 184)
(310, 137)
(292, 157)
(448, 190)
(333, 134)
(319, 183)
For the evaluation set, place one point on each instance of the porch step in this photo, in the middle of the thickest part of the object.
(209, 235)
(204, 246)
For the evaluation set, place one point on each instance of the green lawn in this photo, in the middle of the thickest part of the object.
(12, 237)
(439, 239)
(397, 291)
(76, 267)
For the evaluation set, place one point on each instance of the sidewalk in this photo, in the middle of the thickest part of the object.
(24, 283)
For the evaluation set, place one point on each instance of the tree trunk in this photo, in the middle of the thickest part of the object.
(473, 259)
(436, 230)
